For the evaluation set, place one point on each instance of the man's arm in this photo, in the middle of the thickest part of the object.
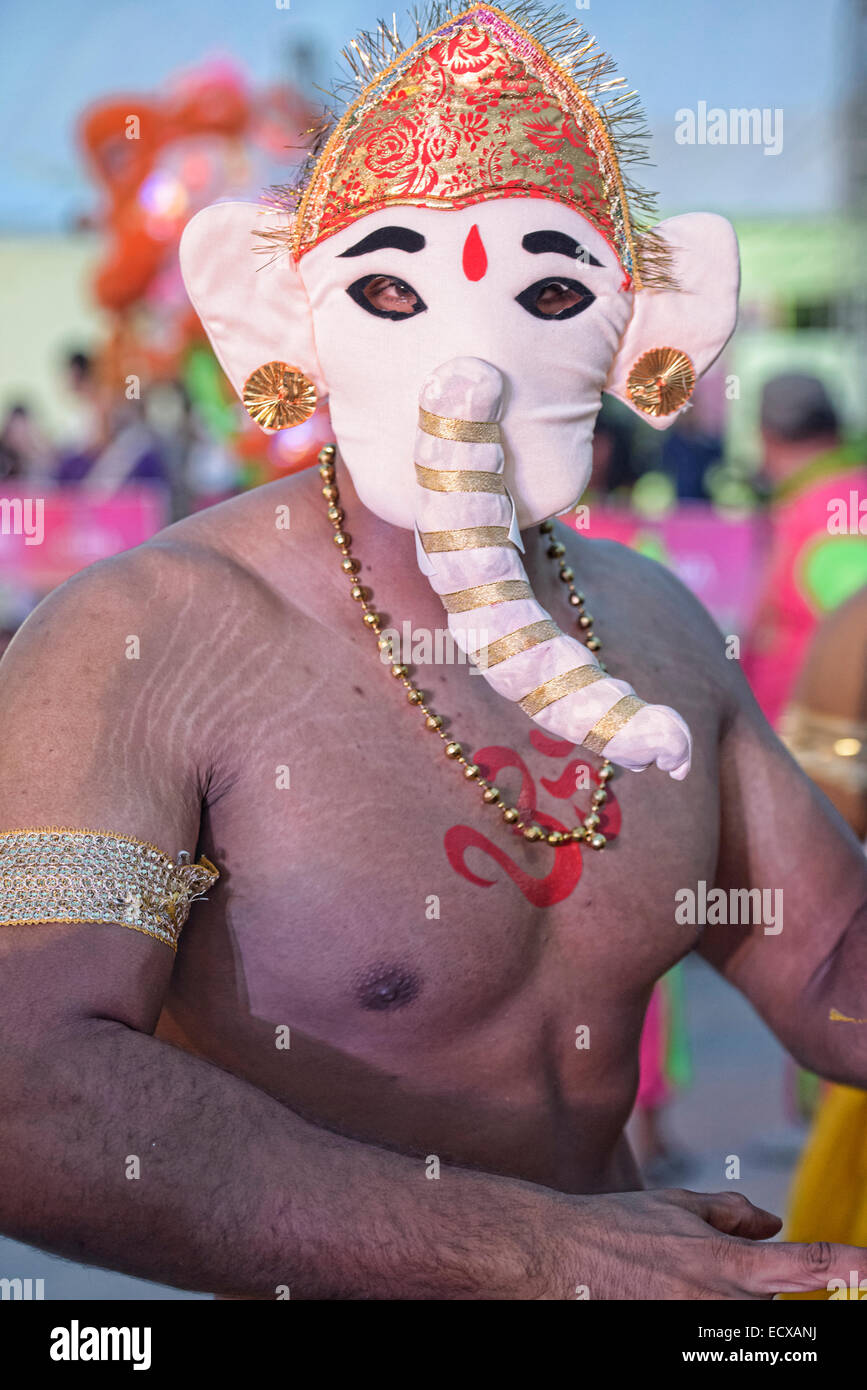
(237, 1195)
(118, 1148)
(826, 722)
(807, 959)
(121, 1150)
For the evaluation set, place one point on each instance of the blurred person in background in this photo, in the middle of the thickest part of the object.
(24, 451)
(130, 453)
(809, 569)
(197, 465)
(83, 406)
(689, 449)
(26, 462)
(826, 729)
(615, 468)
(113, 441)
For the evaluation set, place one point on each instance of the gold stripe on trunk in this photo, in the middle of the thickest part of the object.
(501, 591)
(611, 723)
(514, 642)
(464, 431)
(559, 686)
(470, 538)
(458, 480)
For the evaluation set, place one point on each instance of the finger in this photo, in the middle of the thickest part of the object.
(729, 1212)
(784, 1267)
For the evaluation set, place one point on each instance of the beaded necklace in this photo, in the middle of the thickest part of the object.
(587, 832)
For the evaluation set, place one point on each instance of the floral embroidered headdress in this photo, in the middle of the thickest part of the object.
(482, 104)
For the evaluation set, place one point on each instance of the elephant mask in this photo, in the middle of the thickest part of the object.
(462, 276)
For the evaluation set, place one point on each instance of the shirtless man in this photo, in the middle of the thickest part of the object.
(452, 1036)
(216, 689)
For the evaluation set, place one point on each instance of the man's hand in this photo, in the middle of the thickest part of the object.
(689, 1245)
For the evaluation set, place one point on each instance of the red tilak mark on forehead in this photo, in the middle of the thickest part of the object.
(475, 256)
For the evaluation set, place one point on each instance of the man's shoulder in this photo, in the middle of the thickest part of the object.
(127, 680)
(623, 562)
(184, 579)
(659, 616)
(651, 587)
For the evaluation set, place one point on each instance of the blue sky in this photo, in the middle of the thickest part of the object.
(790, 54)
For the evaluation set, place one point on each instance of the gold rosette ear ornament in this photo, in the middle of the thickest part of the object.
(661, 381)
(278, 396)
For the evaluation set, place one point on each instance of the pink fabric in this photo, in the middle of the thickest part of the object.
(787, 614)
(653, 1088)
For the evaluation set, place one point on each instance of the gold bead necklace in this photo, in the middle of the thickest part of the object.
(587, 832)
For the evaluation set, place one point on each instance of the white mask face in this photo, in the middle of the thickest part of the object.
(525, 284)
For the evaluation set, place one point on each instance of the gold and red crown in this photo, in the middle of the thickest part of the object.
(481, 105)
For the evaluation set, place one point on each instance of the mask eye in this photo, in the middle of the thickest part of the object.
(556, 298)
(387, 297)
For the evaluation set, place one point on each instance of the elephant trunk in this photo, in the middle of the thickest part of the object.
(465, 523)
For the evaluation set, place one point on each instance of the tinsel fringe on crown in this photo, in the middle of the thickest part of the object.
(567, 42)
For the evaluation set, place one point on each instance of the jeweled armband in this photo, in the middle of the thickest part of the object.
(828, 749)
(53, 874)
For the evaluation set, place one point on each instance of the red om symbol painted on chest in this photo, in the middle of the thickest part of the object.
(567, 861)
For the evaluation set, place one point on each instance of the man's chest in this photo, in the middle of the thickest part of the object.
(366, 880)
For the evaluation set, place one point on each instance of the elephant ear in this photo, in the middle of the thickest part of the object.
(694, 321)
(248, 295)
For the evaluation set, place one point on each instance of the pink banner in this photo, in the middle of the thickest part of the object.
(48, 534)
(716, 558)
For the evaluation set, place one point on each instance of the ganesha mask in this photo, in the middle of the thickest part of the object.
(463, 272)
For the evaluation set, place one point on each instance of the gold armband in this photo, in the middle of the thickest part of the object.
(52, 874)
(828, 749)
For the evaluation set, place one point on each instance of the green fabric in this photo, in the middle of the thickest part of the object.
(652, 546)
(678, 1062)
(205, 383)
(833, 569)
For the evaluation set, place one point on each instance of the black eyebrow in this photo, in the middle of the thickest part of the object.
(399, 238)
(537, 243)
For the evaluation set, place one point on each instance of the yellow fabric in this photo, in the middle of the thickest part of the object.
(829, 1197)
